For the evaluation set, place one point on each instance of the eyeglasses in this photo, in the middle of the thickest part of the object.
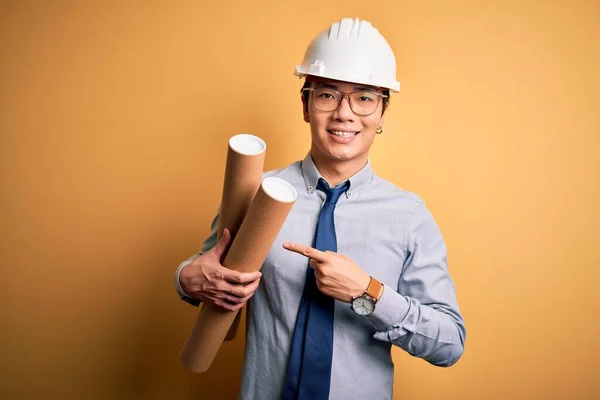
(361, 102)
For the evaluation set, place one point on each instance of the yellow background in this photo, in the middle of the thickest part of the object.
(114, 121)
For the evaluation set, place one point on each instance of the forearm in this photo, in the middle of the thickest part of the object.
(433, 332)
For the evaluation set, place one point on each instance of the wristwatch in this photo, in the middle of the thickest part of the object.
(365, 303)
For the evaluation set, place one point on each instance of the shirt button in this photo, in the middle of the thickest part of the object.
(349, 194)
(310, 188)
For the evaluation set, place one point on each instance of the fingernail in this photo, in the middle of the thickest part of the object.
(286, 245)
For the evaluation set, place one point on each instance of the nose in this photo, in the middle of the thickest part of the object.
(344, 112)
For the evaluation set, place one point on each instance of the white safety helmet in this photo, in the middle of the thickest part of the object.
(352, 51)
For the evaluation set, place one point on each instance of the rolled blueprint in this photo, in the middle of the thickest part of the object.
(243, 174)
(264, 219)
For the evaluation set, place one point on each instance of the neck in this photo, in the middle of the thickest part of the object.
(335, 172)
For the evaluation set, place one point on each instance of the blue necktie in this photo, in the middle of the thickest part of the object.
(309, 368)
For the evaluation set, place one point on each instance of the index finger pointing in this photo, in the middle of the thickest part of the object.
(306, 251)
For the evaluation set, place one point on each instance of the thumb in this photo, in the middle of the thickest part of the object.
(222, 244)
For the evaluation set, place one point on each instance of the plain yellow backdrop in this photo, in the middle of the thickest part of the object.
(114, 121)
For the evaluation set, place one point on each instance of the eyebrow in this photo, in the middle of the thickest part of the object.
(336, 87)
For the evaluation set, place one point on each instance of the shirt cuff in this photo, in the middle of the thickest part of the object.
(390, 310)
(177, 280)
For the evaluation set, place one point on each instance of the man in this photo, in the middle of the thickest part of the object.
(359, 264)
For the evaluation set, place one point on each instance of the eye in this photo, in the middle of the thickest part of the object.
(325, 94)
(366, 97)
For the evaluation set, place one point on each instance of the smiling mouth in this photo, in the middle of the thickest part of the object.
(343, 134)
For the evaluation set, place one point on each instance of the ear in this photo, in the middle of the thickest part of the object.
(305, 109)
(382, 119)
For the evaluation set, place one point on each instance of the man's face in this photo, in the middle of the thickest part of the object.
(342, 134)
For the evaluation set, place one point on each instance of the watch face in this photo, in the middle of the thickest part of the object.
(363, 306)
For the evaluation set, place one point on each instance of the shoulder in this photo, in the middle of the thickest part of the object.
(406, 198)
(419, 223)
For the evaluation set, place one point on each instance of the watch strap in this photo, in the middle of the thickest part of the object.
(375, 289)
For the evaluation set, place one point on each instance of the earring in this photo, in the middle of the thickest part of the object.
(379, 130)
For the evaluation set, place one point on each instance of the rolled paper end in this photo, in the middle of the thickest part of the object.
(247, 145)
(190, 364)
(279, 189)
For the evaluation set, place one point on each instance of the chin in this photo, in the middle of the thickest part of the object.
(335, 154)
(343, 156)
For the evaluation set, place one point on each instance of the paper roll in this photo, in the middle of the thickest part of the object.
(264, 219)
(243, 175)
(235, 327)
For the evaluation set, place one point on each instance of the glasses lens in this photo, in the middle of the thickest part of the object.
(326, 99)
(362, 103)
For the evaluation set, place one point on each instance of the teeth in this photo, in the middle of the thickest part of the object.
(343, 133)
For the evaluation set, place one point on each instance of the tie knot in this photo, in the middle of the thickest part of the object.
(333, 194)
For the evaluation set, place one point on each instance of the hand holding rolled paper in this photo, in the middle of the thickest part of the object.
(206, 279)
(264, 219)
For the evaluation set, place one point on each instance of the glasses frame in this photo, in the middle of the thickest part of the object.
(347, 94)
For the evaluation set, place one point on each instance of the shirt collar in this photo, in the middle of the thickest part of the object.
(357, 181)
